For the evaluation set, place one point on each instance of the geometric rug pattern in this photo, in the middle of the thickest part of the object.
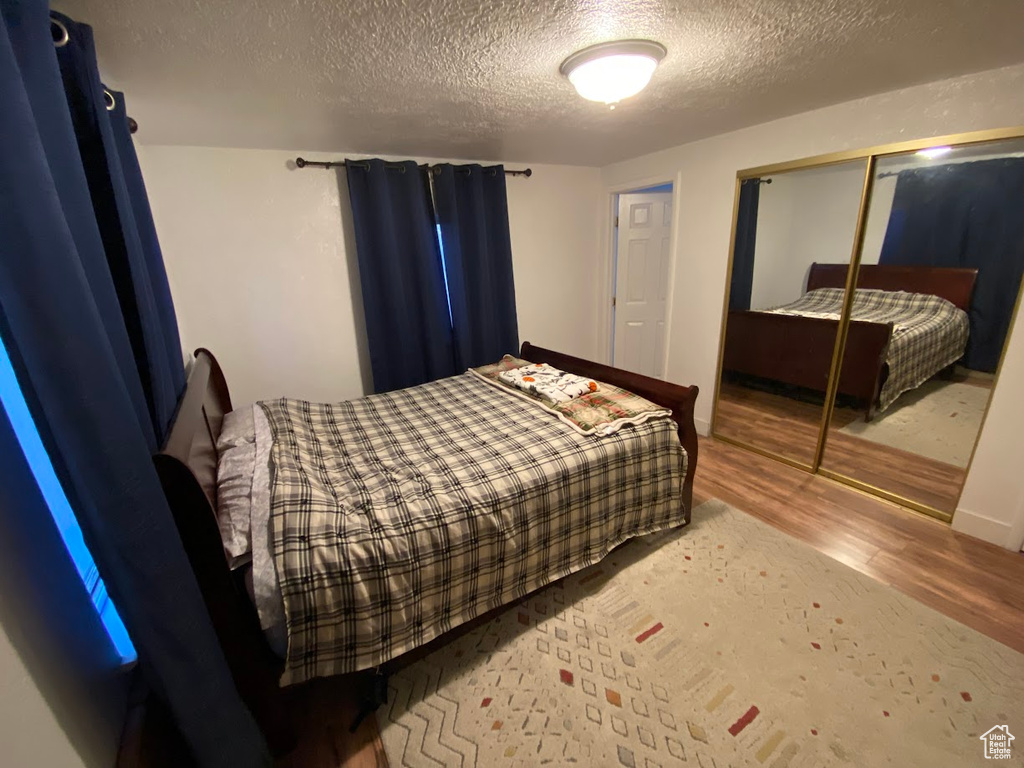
(726, 643)
(939, 420)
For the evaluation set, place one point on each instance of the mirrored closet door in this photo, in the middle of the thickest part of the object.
(793, 242)
(869, 305)
(940, 269)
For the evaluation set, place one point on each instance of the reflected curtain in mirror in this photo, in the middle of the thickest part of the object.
(742, 282)
(966, 214)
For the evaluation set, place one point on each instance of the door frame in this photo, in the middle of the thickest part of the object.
(608, 241)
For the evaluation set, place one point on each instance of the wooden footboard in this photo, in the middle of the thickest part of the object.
(678, 398)
(864, 368)
(798, 351)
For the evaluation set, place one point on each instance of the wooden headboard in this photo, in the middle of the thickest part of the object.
(187, 467)
(952, 284)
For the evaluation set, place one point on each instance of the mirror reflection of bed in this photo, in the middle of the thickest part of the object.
(776, 366)
(940, 209)
(902, 417)
(941, 256)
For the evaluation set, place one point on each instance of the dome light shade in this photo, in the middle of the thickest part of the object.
(610, 72)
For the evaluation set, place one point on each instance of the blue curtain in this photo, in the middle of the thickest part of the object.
(59, 320)
(742, 283)
(58, 140)
(151, 269)
(408, 326)
(472, 213)
(139, 278)
(965, 215)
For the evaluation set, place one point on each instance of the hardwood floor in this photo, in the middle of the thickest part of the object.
(969, 580)
(790, 427)
(973, 582)
(782, 425)
(914, 477)
(325, 710)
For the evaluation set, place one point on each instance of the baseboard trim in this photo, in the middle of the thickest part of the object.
(703, 427)
(983, 527)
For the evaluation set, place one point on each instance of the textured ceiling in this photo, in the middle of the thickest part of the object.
(479, 79)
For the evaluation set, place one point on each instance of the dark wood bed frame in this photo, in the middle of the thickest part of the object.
(798, 350)
(187, 467)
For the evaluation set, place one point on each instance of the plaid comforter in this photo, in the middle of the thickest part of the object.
(397, 517)
(929, 333)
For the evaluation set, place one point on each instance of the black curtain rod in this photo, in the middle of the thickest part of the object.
(302, 163)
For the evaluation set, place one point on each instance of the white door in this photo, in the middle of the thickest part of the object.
(641, 282)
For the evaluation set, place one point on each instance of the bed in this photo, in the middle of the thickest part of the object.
(793, 344)
(188, 469)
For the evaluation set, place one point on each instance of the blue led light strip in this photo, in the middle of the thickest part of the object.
(35, 454)
(444, 269)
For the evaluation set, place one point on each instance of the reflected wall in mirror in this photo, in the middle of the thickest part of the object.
(941, 267)
(784, 307)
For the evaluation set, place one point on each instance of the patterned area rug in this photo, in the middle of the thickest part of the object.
(939, 420)
(724, 644)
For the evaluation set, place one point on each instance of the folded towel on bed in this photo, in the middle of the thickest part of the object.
(602, 412)
(548, 382)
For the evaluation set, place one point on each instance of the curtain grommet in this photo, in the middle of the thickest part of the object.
(109, 99)
(59, 41)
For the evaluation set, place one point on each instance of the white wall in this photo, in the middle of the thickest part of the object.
(63, 690)
(705, 172)
(992, 504)
(30, 734)
(803, 217)
(261, 261)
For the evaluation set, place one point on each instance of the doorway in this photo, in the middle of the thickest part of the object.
(642, 260)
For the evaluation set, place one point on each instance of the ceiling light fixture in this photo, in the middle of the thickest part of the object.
(934, 152)
(610, 72)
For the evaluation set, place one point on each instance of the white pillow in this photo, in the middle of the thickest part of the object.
(236, 465)
(238, 427)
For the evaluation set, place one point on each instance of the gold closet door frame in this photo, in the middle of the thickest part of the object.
(871, 155)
